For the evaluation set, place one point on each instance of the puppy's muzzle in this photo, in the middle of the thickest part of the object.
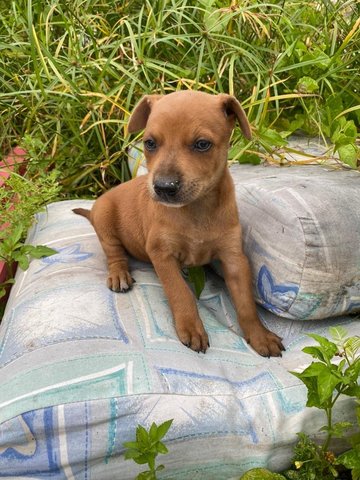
(167, 189)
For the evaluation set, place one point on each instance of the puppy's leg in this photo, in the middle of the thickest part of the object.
(188, 324)
(119, 278)
(237, 276)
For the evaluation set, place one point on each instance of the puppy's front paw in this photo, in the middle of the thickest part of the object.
(193, 335)
(120, 281)
(266, 343)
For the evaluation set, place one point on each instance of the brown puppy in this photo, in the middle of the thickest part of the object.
(183, 213)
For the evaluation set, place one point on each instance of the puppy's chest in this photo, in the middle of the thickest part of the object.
(197, 250)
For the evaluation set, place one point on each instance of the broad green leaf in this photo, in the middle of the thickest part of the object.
(197, 279)
(249, 158)
(320, 381)
(161, 448)
(141, 459)
(352, 391)
(320, 59)
(313, 370)
(312, 390)
(271, 138)
(353, 370)
(349, 154)
(350, 459)
(133, 445)
(338, 429)
(214, 19)
(297, 122)
(41, 251)
(148, 475)
(328, 348)
(338, 333)
(131, 454)
(334, 105)
(163, 428)
(142, 435)
(315, 352)
(307, 85)
(22, 260)
(344, 132)
(153, 432)
(261, 474)
(16, 234)
(326, 384)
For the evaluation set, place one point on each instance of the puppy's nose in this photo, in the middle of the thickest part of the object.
(164, 187)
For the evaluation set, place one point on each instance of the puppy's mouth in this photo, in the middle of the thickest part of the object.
(172, 192)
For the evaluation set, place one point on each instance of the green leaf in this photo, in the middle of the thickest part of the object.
(249, 158)
(334, 105)
(321, 60)
(39, 251)
(22, 260)
(297, 122)
(131, 454)
(338, 334)
(133, 445)
(352, 391)
(148, 475)
(153, 432)
(261, 474)
(326, 384)
(142, 459)
(329, 349)
(344, 132)
(320, 381)
(338, 429)
(350, 459)
(16, 235)
(307, 85)
(161, 448)
(315, 352)
(271, 138)
(142, 435)
(349, 154)
(163, 428)
(197, 279)
(214, 19)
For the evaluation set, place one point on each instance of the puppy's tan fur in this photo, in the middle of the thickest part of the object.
(183, 213)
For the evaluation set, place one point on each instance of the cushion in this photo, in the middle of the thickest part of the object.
(301, 231)
(81, 367)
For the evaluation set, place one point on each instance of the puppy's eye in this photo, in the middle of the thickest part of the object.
(202, 145)
(150, 145)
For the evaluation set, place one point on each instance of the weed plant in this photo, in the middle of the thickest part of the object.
(70, 73)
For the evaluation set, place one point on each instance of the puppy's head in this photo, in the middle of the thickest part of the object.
(186, 141)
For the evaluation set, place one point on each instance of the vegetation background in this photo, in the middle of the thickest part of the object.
(71, 71)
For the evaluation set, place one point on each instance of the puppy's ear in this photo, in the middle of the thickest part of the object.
(232, 108)
(140, 115)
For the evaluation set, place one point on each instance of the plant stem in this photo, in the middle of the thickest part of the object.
(328, 412)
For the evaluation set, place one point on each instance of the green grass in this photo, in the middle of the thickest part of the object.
(71, 72)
